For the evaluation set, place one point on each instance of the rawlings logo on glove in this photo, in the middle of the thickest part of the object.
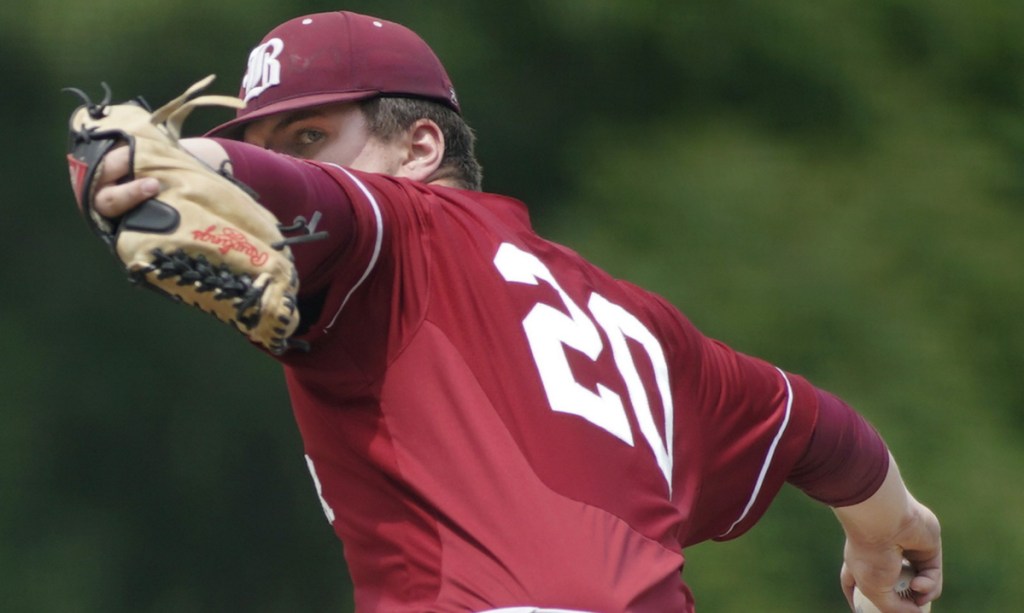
(231, 239)
(203, 240)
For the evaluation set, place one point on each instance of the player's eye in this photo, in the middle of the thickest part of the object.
(308, 136)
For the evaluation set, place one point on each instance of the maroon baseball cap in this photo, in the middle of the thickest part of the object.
(336, 57)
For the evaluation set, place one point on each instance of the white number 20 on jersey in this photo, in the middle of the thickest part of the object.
(550, 330)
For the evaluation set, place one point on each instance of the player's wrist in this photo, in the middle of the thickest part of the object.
(207, 151)
(881, 519)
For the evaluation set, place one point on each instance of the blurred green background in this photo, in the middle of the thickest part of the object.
(837, 187)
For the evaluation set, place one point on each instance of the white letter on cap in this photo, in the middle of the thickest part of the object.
(264, 70)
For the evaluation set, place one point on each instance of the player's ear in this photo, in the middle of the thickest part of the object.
(424, 152)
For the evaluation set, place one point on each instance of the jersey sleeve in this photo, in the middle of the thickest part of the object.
(745, 423)
(350, 211)
(291, 188)
(846, 460)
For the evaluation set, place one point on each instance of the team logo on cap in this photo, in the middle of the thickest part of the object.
(264, 70)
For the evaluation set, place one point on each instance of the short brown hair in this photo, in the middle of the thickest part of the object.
(389, 116)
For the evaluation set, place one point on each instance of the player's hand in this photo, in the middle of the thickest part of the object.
(880, 532)
(114, 196)
(874, 565)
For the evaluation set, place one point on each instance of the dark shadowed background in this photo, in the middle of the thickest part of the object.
(836, 187)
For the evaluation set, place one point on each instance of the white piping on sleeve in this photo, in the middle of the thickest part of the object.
(531, 610)
(768, 458)
(376, 246)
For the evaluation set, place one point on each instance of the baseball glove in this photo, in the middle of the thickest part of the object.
(204, 239)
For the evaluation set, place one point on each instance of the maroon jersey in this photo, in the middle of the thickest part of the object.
(492, 421)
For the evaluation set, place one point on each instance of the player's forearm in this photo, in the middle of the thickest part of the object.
(286, 186)
(290, 189)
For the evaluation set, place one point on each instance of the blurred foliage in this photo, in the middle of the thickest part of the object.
(835, 187)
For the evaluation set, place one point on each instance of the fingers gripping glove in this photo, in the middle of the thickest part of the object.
(203, 240)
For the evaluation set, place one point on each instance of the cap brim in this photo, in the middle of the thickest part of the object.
(233, 129)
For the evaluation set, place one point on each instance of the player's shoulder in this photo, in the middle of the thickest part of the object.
(671, 324)
(399, 189)
(358, 182)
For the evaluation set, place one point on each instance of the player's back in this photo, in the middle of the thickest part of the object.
(490, 428)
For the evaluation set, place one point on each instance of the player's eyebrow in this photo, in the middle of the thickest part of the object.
(295, 117)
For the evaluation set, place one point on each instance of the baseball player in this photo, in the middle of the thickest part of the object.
(491, 422)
